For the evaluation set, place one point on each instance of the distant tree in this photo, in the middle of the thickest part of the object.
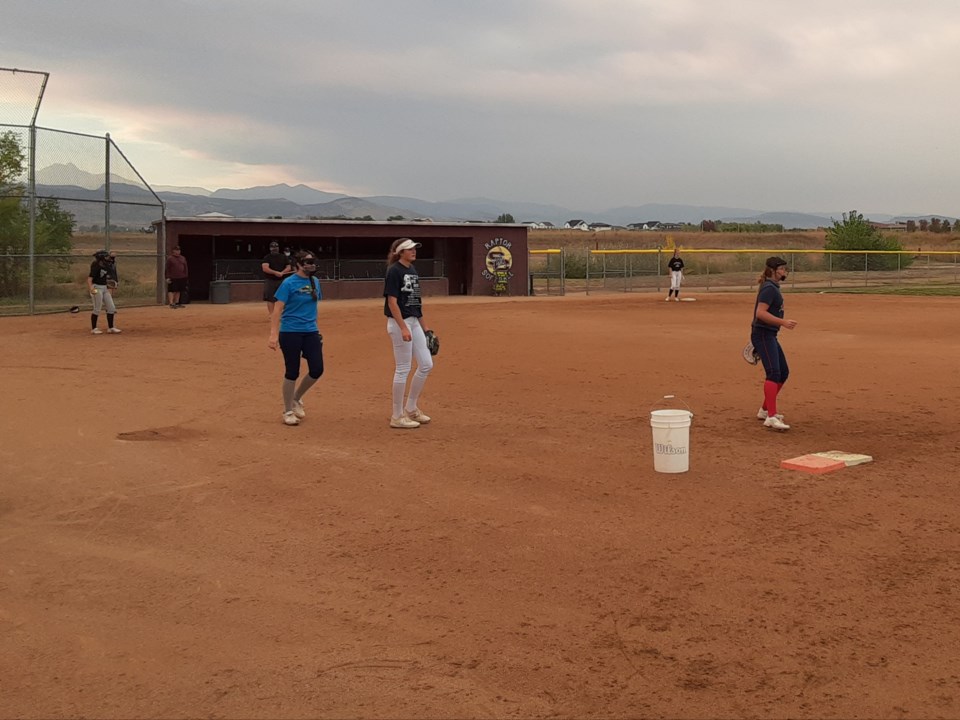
(911, 226)
(53, 230)
(945, 227)
(924, 224)
(956, 225)
(396, 217)
(935, 225)
(854, 234)
(365, 217)
(505, 218)
(708, 226)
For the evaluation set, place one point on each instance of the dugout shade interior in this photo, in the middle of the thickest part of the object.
(455, 258)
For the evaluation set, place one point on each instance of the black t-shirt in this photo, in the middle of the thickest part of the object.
(101, 273)
(403, 283)
(770, 294)
(675, 264)
(275, 261)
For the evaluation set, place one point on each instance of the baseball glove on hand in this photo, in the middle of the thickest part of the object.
(750, 354)
(433, 342)
(112, 284)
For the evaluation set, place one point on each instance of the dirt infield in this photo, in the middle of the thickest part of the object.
(169, 549)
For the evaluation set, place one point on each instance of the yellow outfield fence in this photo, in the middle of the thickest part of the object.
(716, 269)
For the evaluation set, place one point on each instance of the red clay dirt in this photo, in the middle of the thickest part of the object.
(169, 549)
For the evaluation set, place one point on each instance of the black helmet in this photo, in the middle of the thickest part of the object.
(101, 254)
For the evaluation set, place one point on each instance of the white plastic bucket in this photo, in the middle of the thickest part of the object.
(671, 440)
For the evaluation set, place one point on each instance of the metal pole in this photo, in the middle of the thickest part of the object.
(588, 273)
(899, 279)
(563, 271)
(866, 269)
(106, 192)
(829, 269)
(32, 241)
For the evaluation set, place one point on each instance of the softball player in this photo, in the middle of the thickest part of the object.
(102, 278)
(403, 307)
(676, 275)
(293, 327)
(767, 321)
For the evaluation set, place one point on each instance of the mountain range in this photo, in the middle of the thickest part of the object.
(301, 201)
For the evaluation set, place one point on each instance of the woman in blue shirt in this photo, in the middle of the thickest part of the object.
(293, 327)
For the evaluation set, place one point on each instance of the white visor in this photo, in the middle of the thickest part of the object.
(407, 244)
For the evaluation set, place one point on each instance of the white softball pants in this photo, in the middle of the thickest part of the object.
(103, 299)
(676, 276)
(403, 354)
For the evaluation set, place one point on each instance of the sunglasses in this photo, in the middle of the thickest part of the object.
(308, 261)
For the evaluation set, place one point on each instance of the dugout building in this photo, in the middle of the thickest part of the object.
(224, 255)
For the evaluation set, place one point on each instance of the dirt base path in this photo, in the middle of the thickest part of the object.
(169, 549)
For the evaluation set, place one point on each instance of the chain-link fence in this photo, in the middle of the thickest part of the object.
(715, 269)
(64, 195)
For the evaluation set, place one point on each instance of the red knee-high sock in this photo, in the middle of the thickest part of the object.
(770, 390)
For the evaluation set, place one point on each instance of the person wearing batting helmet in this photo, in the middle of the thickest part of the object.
(101, 280)
(767, 321)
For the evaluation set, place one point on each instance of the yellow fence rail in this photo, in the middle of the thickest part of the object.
(738, 269)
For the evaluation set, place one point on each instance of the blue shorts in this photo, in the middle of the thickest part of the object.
(771, 355)
(308, 345)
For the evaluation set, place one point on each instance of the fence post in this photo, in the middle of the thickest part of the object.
(563, 271)
(587, 265)
(866, 269)
(32, 240)
(106, 195)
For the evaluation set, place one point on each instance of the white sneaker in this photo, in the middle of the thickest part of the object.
(763, 414)
(114, 330)
(677, 298)
(418, 416)
(775, 423)
(403, 423)
(298, 409)
(96, 331)
(290, 418)
(667, 299)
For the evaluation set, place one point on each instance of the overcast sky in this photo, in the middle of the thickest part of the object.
(813, 106)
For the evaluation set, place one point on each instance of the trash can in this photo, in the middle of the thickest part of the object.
(219, 292)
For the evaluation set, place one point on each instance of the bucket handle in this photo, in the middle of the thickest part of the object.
(673, 397)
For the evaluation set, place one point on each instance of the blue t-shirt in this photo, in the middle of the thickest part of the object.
(299, 307)
(770, 294)
(403, 283)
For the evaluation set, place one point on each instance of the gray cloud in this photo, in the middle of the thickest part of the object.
(813, 106)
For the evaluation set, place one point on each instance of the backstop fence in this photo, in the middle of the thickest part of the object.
(64, 195)
(548, 272)
(717, 270)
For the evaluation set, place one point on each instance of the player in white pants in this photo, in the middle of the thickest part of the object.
(403, 307)
(102, 274)
(676, 275)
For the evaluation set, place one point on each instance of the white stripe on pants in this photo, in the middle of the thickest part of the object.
(403, 353)
(103, 299)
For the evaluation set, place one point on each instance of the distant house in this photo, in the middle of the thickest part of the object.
(648, 225)
(213, 215)
(538, 225)
(576, 225)
(600, 226)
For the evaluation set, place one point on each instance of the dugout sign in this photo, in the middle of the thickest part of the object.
(498, 265)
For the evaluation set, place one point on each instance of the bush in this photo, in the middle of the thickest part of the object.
(856, 234)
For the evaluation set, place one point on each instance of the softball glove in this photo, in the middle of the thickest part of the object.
(433, 342)
(750, 354)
